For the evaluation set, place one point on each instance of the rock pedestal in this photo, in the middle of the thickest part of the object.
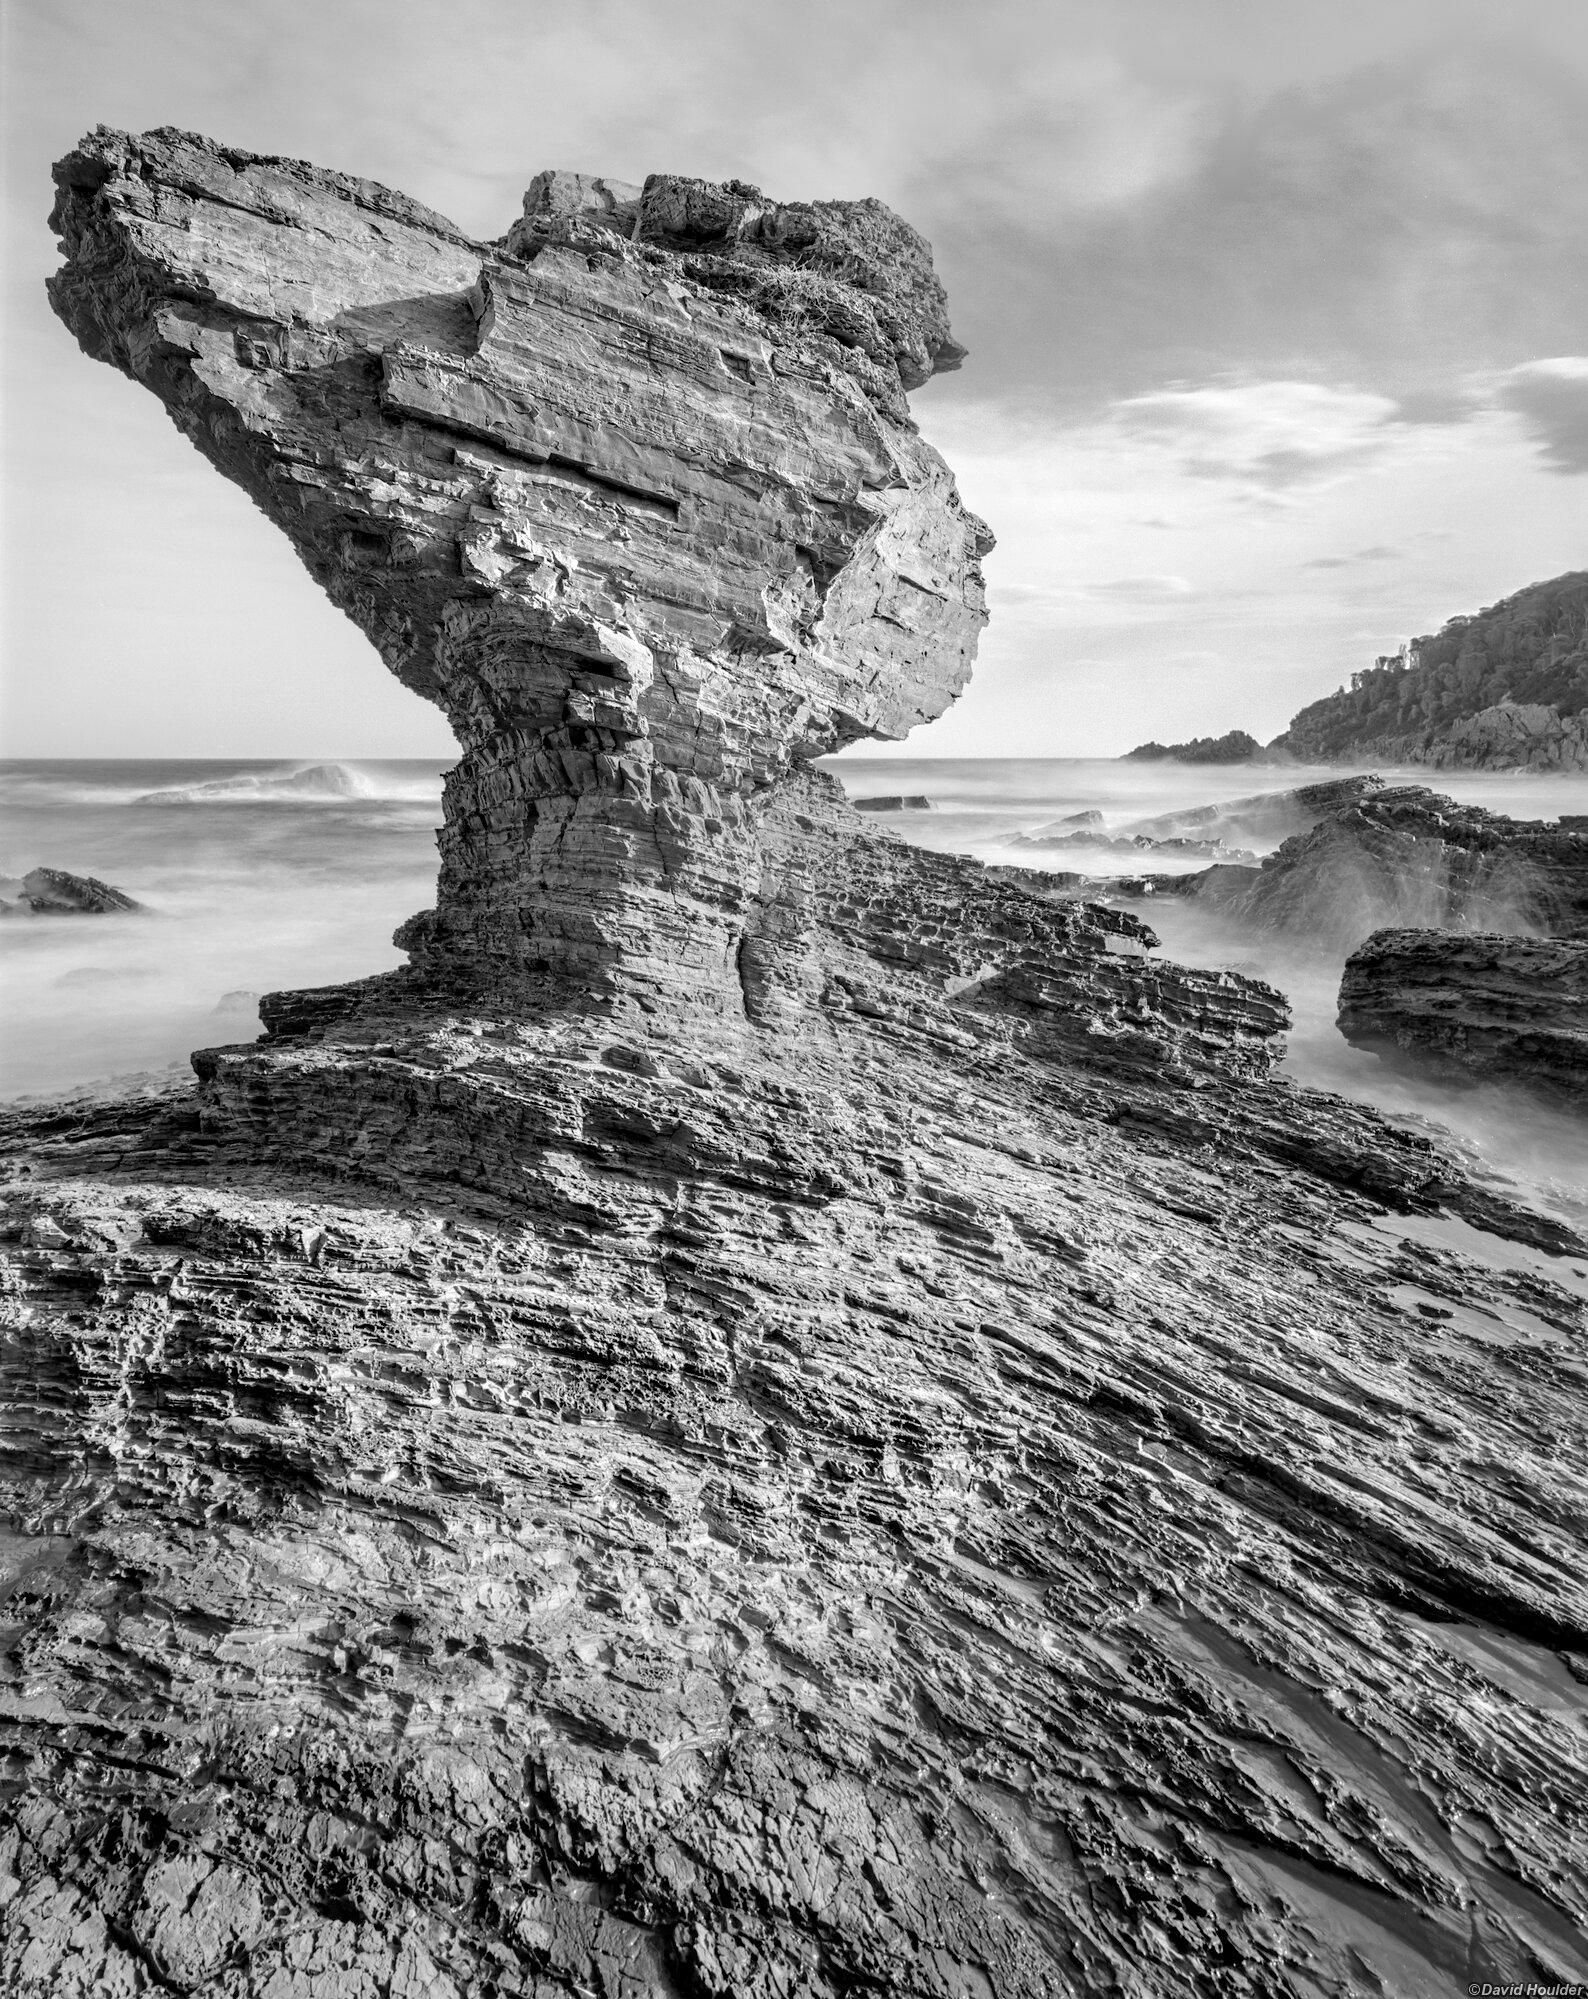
(633, 494)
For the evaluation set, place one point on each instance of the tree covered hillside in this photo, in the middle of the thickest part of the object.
(1532, 648)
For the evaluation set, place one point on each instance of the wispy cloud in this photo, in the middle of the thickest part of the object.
(1377, 553)
(1272, 435)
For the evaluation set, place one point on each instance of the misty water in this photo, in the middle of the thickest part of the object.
(261, 876)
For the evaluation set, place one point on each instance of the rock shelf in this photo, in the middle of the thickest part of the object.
(778, 1415)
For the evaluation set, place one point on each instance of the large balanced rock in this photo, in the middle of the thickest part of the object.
(632, 493)
(1514, 1009)
(779, 1416)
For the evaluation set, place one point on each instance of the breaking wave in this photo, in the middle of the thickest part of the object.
(330, 783)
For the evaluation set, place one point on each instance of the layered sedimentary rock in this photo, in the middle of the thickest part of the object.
(54, 892)
(1263, 819)
(781, 1416)
(1507, 1008)
(633, 493)
(1401, 857)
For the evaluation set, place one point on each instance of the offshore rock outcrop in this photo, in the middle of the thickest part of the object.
(54, 892)
(1514, 1009)
(780, 1416)
(1262, 819)
(1402, 857)
(1237, 747)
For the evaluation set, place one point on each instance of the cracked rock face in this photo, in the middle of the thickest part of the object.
(783, 1416)
(1465, 1004)
(632, 493)
(1404, 857)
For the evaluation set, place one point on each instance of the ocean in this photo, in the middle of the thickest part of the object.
(259, 876)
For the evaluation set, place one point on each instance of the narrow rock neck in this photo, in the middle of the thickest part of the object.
(590, 865)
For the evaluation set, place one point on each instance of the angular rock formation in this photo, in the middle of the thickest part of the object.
(1513, 1009)
(780, 1416)
(1512, 735)
(1402, 857)
(1139, 846)
(54, 892)
(1262, 820)
(633, 494)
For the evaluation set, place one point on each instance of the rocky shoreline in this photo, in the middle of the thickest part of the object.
(778, 1414)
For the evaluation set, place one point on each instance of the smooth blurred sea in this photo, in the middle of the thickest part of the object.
(254, 879)
(259, 876)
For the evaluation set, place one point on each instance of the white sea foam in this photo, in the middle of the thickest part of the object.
(331, 783)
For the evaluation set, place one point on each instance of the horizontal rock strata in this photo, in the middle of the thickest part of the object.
(777, 1416)
(1402, 857)
(633, 494)
(54, 892)
(1508, 1008)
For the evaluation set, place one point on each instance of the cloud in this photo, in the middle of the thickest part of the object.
(1551, 397)
(1379, 552)
(1268, 435)
(1386, 227)
(1133, 592)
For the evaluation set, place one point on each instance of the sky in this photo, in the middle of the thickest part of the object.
(1277, 314)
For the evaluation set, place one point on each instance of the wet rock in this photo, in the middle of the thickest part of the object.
(1484, 1007)
(1263, 819)
(54, 892)
(1401, 857)
(1407, 857)
(893, 803)
(1138, 844)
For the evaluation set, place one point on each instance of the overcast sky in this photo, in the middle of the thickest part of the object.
(1277, 312)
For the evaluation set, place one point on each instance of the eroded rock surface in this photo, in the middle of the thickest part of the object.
(1512, 1008)
(1402, 857)
(779, 1416)
(54, 892)
(633, 494)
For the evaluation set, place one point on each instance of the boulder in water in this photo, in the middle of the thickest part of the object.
(1262, 819)
(894, 802)
(1402, 857)
(54, 892)
(1474, 1005)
